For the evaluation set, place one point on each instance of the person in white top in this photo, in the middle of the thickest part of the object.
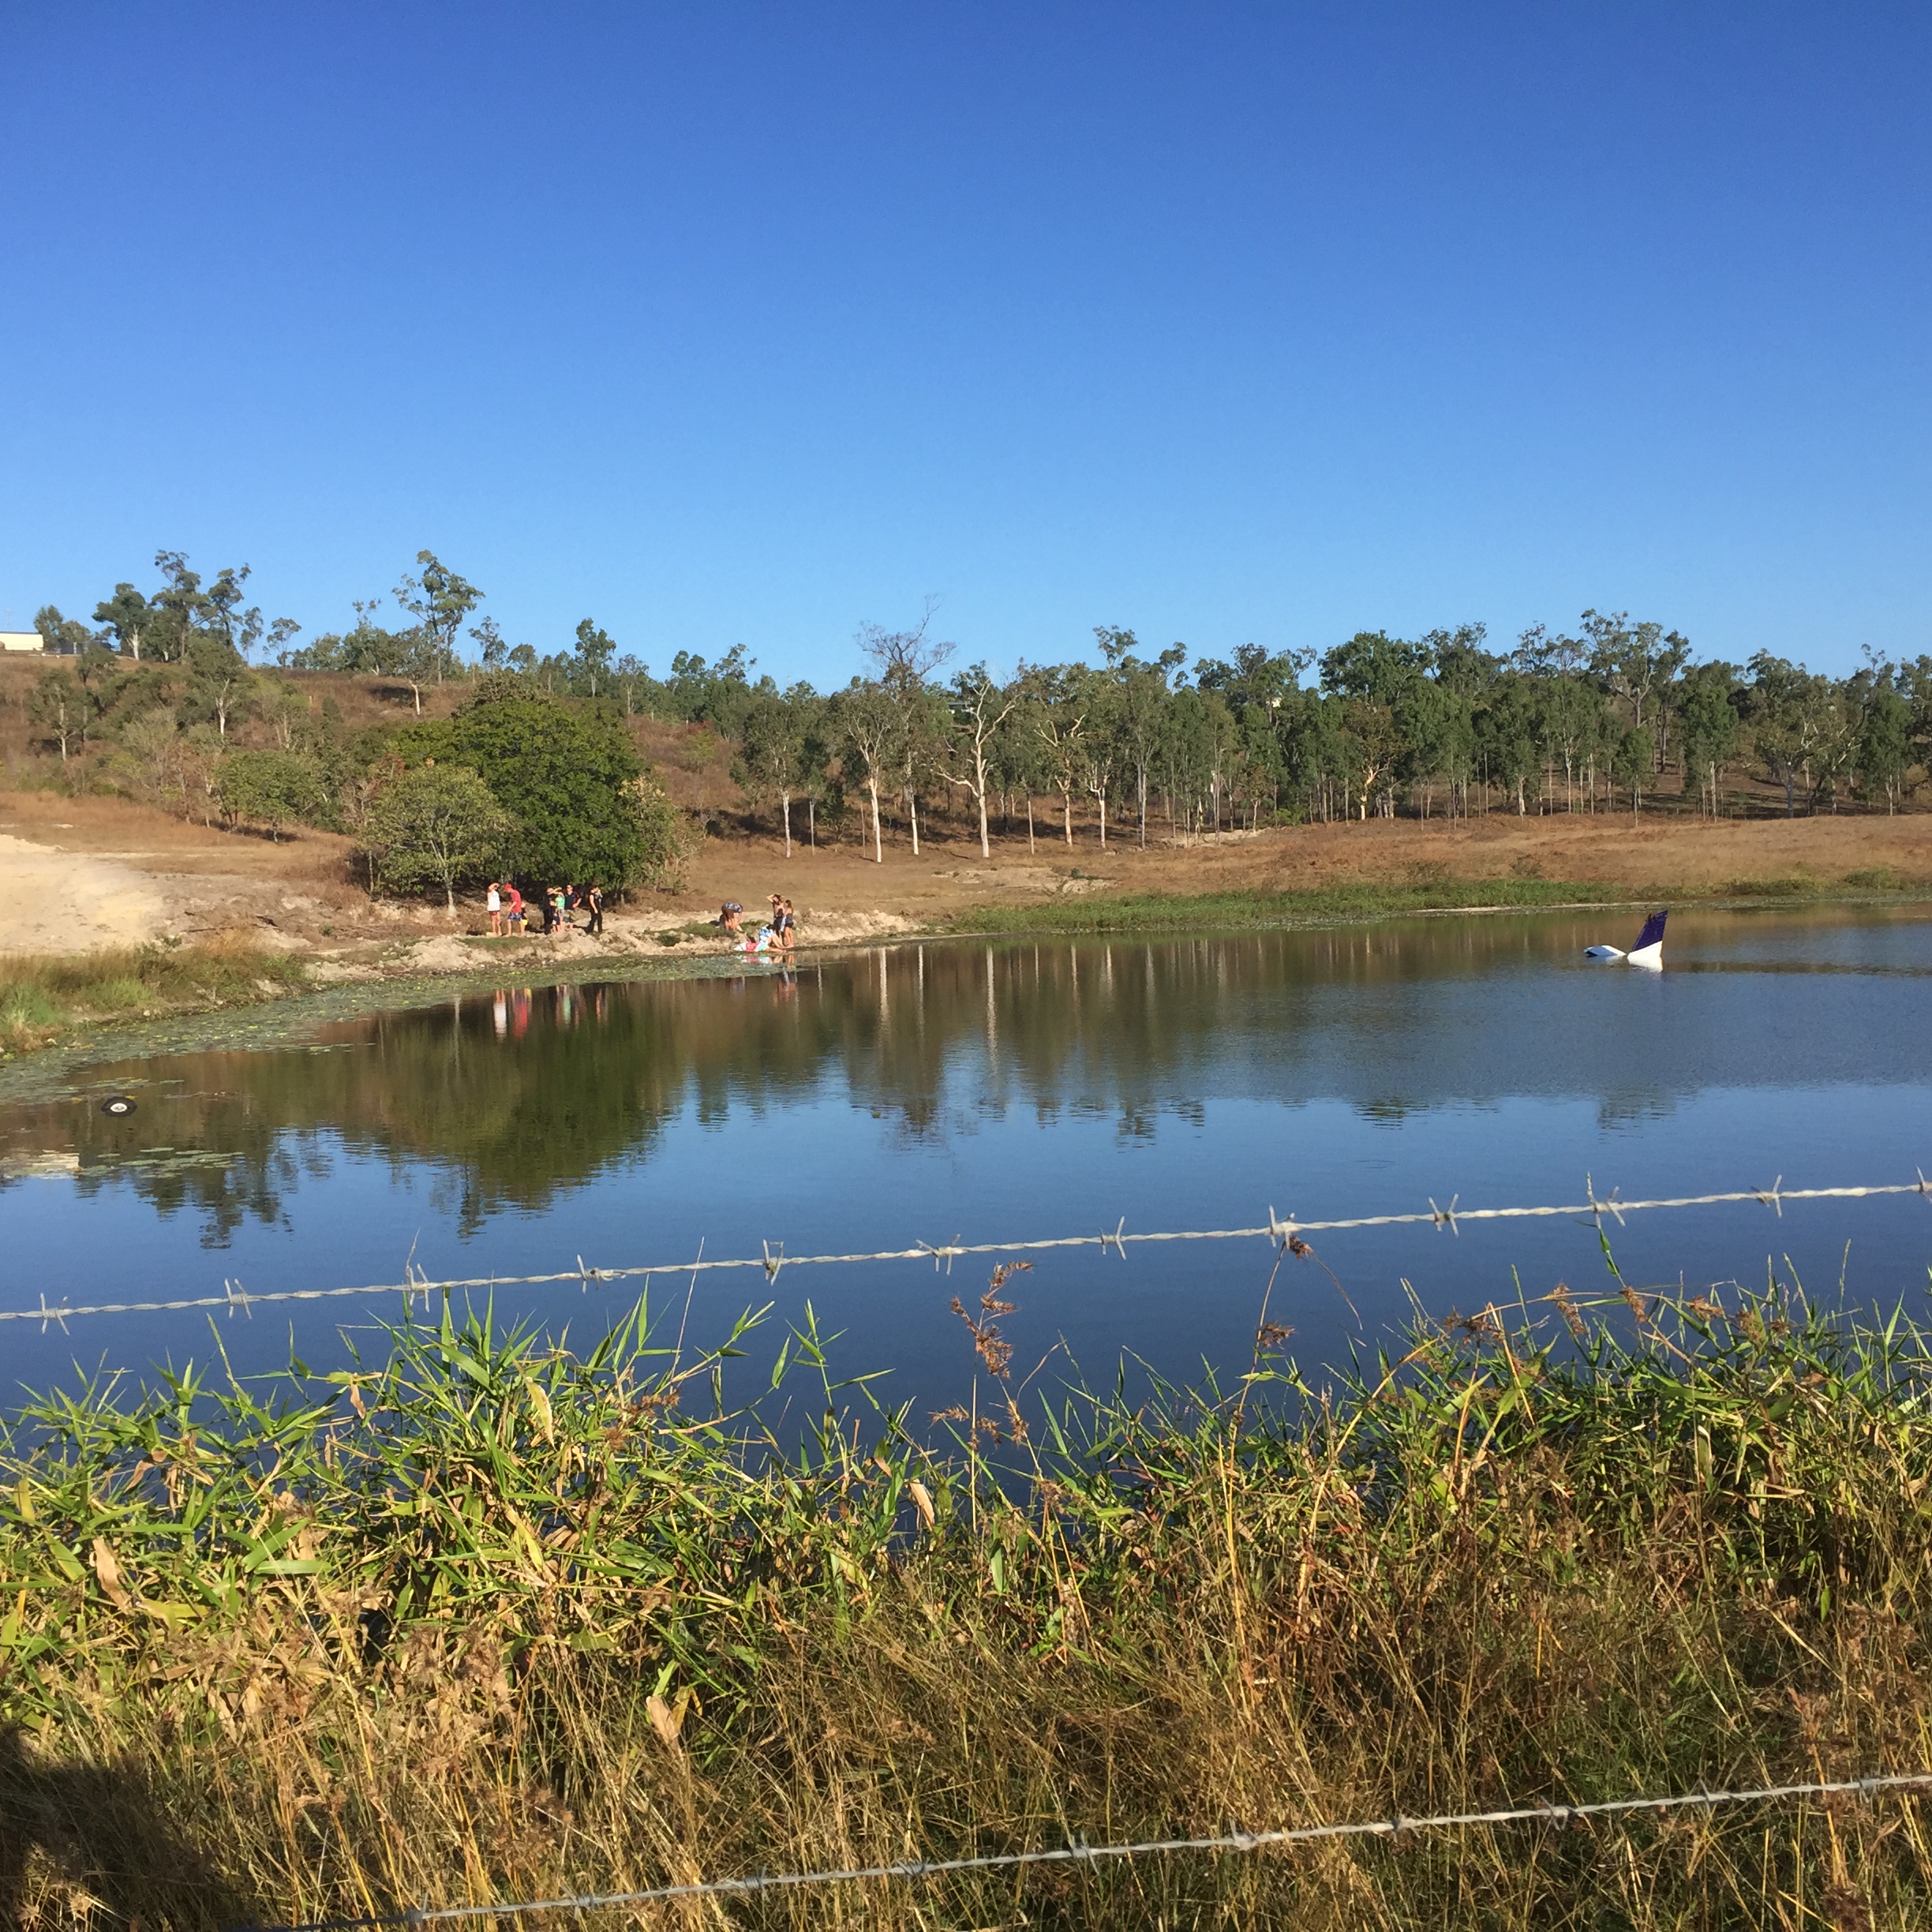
(494, 902)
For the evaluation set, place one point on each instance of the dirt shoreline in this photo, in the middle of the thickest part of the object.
(83, 876)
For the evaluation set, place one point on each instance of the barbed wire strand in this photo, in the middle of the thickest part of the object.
(1077, 1854)
(235, 1298)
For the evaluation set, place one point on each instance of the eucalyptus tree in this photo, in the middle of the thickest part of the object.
(439, 600)
(865, 726)
(1707, 733)
(1637, 662)
(1315, 752)
(1143, 705)
(1787, 714)
(63, 636)
(716, 695)
(1630, 763)
(1059, 696)
(127, 616)
(595, 649)
(57, 707)
(492, 647)
(902, 662)
(776, 757)
(1885, 744)
(1374, 673)
(178, 607)
(1506, 735)
(1098, 763)
(979, 706)
(1426, 717)
(1020, 749)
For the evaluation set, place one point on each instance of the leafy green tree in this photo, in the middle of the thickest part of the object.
(178, 608)
(1884, 745)
(717, 695)
(270, 788)
(1377, 676)
(1375, 666)
(1632, 762)
(438, 825)
(1145, 698)
(1505, 733)
(62, 637)
(572, 784)
(1787, 708)
(127, 616)
(1708, 720)
(218, 682)
(773, 763)
(1425, 720)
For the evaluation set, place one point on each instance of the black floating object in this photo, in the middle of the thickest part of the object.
(117, 1104)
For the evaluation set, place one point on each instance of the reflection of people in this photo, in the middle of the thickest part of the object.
(501, 1013)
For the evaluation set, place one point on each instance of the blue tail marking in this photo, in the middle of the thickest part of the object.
(1652, 933)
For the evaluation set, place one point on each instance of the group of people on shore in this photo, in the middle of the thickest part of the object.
(557, 907)
(778, 934)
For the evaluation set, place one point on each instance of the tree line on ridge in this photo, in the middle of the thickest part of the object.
(160, 697)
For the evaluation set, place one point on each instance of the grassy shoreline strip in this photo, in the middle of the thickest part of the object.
(492, 1618)
(1154, 912)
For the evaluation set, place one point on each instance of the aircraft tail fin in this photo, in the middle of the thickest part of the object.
(1653, 934)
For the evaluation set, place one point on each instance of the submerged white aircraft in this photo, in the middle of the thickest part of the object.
(1648, 951)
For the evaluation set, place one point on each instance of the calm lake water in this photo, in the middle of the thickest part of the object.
(1009, 1091)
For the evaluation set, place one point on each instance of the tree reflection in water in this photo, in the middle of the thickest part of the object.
(511, 1096)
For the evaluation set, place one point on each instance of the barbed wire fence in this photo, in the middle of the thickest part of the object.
(1558, 1815)
(1282, 1232)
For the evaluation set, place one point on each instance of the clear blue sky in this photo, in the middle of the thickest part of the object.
(1225, 322)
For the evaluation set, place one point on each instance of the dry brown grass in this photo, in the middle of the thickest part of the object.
(537, 1630)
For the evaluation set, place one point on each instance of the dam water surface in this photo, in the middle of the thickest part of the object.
(992, 1092)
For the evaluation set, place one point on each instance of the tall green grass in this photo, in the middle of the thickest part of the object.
(41, 995)
(497, 1619)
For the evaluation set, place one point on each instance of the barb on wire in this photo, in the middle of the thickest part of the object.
(416, 1281)
(1081, 1853)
